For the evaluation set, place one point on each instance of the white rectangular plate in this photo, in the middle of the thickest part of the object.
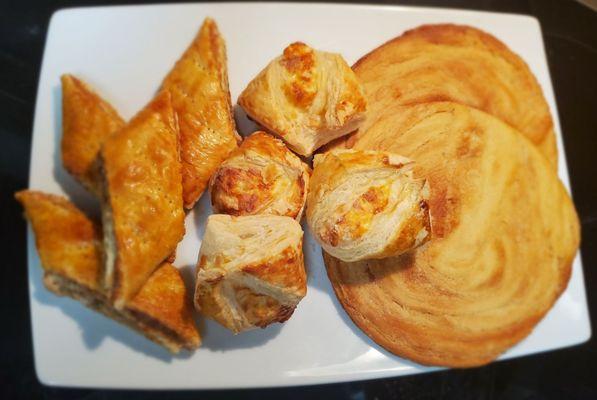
(124, 52)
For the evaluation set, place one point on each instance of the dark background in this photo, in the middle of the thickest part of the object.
(570, 32)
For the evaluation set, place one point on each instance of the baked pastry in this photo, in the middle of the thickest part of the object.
(366, 204)
(250, 271)
(260, 177)
(142, 212)
(201, 98)
(69, 244)
(307, 97)
(459, 64)
(504, 235)
(67, 240)
(87, 120)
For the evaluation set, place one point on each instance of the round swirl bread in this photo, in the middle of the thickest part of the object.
(306, 97)
(366, 204)
(460, 64)
(504, 234)
(260, 177)
(250, 271)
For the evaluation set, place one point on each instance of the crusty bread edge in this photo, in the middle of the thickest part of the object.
(430, 31)
(435, 359)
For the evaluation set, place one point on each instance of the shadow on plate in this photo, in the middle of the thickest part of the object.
(201, 212)
(318, 279)
(244, 125)
(327, 287)
(313, 259)
(218, 338)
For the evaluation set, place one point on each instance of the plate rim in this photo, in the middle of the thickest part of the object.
(289, 381)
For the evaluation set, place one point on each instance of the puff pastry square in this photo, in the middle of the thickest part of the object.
(306, 97)
(250, 271)
(68, 243)
(201, 98)
(87, 120)
(142, 212)
(261, 177)
(367, 204)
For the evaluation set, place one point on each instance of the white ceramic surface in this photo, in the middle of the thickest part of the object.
(124, 52)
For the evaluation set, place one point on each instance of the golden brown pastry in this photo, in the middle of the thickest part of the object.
(307, 97)
(87, 120)
(250, 271)
(201, 98)
(142, 212)
(66, 239)
(164, 297)
(504, 235)
(366, 204)
(261, 177)
(69, 244)
(460, 64)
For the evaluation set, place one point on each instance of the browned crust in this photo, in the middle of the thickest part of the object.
(142, 172)
(165, 295)
(299, 60)
(230, 182)
(242, 186)
(251, 293)
(427, 356)
(441, 342)
(262, 310)
(142, 323)
(287, 270)
(467, 36)
(207, 127)
(451, 34)
(66, 240)
(87, 120)
(292, 81)
(249, 100)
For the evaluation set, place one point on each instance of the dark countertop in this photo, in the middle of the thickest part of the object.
(570, 32)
